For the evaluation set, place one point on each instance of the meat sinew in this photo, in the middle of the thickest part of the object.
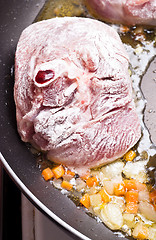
(73, 93)
(129, 12)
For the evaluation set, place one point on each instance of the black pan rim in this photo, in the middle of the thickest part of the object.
(36, 201)
(11, 145)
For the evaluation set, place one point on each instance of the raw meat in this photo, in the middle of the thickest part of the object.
(73, 93)
(128, 12)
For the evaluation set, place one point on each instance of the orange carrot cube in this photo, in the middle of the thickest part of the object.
(119, 189)
(70, 173)
(124, 29)
(91, 181)
(141, 232)
(104, 195)
(130, 184)
(85, 200)
(131, 196)
(67, 185)
(131, 207)
(58, 171)
(47, 174)
(129, 156)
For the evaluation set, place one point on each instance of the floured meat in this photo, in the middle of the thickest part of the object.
(129, 12)
(73, 93)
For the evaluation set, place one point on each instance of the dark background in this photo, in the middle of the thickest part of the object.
(11, 208)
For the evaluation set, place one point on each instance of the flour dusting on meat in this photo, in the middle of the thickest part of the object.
(125, 11)
(73, 93)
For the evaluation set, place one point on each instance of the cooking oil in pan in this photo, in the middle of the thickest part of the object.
(62, 8)
(140, 43)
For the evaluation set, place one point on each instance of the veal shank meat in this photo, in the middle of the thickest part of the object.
(128, 12)
(73, 93)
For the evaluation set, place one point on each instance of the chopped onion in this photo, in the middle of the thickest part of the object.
(147, 210)
(152, 233)
(95, 200)
(113, 170)
(135, 170)
(109, 187)
(120, 202)
(80, 184)
(57, 183)
(111, 215)
(140, 231)
(143, 196)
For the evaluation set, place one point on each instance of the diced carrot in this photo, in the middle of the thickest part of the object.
(85, 200)
(130, 184)
(91, 181)
(131, 207)
(70, 173)
(129, 156)
(141, 232)
(119, 189)
(124, 29)
(104, 195)
(58, 171)
(67, 185)
(132, 201)
(131, 196)
(47, 174)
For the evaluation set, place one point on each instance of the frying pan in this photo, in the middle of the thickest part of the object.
(15, 156)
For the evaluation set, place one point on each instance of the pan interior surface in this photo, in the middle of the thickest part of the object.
(17, 159)
(15, 156)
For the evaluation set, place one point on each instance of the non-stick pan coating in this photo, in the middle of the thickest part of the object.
(17, 159)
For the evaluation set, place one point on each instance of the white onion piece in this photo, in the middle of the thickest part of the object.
(113, 170)
(147, 210)
(143, 196)
(111, 215)
(109, 187)
(136, 170)
(57, 183)
(80, 184)
(152, 233)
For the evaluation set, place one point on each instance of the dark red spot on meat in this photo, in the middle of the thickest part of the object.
(82, 101)
(44, 76)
